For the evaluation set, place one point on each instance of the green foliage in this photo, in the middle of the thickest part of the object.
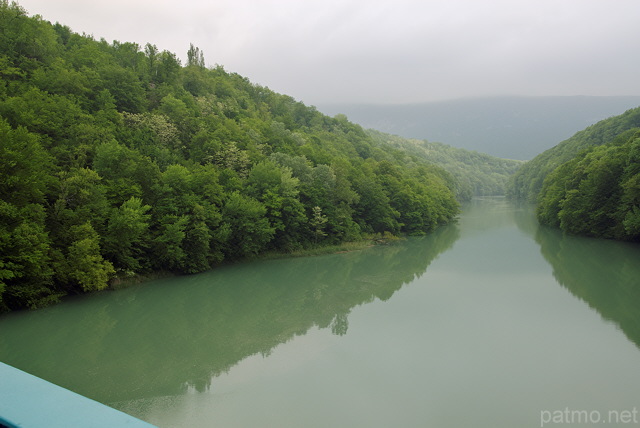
(317, 222)
(115, 161)
(250, 230)
(588, 184)
(25, 265)
(25, 179)
(597, 193)
(528, 181)
(167, 243)
(472, 173)
(84, 264)
(195, 57)
(125, 237)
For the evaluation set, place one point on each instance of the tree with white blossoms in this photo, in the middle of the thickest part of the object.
(318, 220)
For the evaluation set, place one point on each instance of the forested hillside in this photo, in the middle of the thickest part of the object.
(476, 174)
(597, 193)
(527, 182)
(116, 159)
(590, 183)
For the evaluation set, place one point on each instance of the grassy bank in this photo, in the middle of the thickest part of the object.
(123, 280)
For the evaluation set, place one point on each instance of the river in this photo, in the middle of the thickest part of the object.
(493, 321)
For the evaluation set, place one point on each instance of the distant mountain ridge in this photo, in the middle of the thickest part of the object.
(506, 127)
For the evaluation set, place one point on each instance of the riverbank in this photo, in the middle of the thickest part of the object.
(344, 247)
(120, 282)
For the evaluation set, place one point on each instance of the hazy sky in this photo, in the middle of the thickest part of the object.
(396, 51)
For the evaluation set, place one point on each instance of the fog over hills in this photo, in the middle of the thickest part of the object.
(506, 127)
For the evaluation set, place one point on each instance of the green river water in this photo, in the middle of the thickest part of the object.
(490, 322)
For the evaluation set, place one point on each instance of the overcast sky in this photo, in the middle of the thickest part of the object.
(397, 51)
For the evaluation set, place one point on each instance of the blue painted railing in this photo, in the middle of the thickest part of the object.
(27, 401)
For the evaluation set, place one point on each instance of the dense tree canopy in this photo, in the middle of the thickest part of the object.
(597, 193)
(588, 184)
(473, 173)
(527, 182)
(116, 160)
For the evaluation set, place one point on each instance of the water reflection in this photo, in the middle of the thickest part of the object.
(164, 337)
(603, 273)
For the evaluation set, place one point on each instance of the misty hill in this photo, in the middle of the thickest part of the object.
(476, 174)
(528, 181)
(506, 127)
